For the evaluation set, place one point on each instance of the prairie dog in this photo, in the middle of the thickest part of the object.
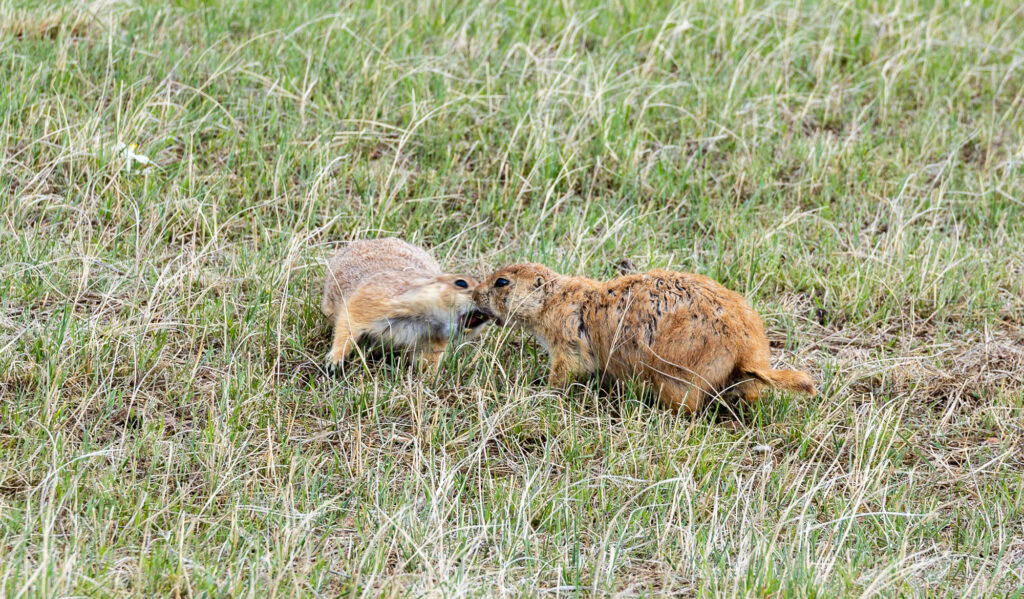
(684, 334)
(394, 293)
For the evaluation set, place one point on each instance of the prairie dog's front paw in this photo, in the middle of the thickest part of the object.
(559, 375)
(563, 370)
(557, 380)
(334, 362)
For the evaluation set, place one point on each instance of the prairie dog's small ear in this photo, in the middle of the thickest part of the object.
(539, 282)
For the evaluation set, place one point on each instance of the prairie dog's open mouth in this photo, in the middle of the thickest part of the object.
(473, 319)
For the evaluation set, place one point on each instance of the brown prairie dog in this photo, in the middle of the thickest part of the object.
(684, 334)
(395, 294)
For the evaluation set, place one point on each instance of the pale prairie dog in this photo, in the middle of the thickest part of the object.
(394, 293)
(683, 334)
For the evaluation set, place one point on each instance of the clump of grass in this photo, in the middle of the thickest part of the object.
(69, 21)
(166, 429)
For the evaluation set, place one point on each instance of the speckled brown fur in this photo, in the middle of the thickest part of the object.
(684, 334)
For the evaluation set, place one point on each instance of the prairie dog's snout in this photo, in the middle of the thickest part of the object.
(481, 299)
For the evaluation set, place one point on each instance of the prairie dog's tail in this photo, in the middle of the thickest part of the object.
(792, 380)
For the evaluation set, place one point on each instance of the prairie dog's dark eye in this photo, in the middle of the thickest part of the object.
(500, 282)
(461, 283)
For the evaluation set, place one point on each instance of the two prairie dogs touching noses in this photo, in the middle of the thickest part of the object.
(683, 334)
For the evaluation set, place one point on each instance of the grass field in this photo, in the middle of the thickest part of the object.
(854, 168)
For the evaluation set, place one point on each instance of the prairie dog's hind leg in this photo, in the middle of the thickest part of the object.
(679, 395)
(748, 390)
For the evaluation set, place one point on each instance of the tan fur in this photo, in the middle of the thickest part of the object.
(393, 293)
(684, 334)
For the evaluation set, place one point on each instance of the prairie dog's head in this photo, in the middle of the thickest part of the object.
(455, 294)
(515, 293)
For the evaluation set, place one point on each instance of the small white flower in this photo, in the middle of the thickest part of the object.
(128, 153)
